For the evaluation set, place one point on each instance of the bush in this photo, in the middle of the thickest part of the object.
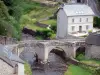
(46, 34)
(97, 71)
(80, 57)
(54, 28)
(96, 22)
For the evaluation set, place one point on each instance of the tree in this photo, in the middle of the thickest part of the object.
(8, 2)
(3, 11)
(96, 22)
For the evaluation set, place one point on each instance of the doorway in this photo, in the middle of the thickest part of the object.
(80, 28)
(78, 1)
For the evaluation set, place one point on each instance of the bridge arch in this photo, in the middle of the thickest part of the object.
(58, 51)
(80, 52)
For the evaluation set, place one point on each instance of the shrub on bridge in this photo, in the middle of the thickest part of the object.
(44, 33)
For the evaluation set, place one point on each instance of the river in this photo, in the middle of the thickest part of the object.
(56, 66)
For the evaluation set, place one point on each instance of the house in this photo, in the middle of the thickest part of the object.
(74, 18)
(93, 46)
(10, 64)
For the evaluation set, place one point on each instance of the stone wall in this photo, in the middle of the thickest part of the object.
(93, 51)
(5, 69)
(41, 25)
(7, 40)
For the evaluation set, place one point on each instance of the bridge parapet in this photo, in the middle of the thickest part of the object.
(63, 42)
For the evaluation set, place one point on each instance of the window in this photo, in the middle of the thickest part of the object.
(80, 19)
(73, 28)
(87, 27)
(72, 20)
(86, 19)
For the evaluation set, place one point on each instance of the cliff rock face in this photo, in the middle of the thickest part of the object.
(94, 4)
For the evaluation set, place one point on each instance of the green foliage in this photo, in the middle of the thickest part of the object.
(26, 20)
(17, 12)
(39, 37)
(8, 2)
(52, 23)
(80, 57)
(27, 69)
(97, 71)
(16, 28)
(46, 34)
(54, 28)
(6, 28)
(3, 11)
(76, 70)
(96, 22)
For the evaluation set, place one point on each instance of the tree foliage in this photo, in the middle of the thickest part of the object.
(9, 26)
(96, 22)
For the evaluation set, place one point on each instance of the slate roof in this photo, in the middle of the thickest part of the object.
(7, 56)
(77, 9)
(93, 39)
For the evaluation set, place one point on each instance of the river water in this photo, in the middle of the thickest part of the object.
(56, 66)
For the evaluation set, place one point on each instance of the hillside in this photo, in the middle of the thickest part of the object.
(22, 13)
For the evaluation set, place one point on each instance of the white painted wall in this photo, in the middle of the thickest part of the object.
(62, 24)
(20, 69)
(77, 23)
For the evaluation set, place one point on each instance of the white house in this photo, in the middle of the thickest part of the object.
(74, 18)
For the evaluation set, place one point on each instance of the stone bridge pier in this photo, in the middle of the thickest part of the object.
(44, 48)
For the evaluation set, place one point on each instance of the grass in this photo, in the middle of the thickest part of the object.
(42, 12)
(27, 69)
(35, 11)
(76, 70)
(50, 22)
(92, 62)
(34, 27)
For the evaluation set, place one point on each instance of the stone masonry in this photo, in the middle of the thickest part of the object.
(5, 69)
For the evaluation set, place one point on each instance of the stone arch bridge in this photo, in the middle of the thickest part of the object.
(43, 47)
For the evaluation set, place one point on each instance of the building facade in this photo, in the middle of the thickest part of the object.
(74, 18)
